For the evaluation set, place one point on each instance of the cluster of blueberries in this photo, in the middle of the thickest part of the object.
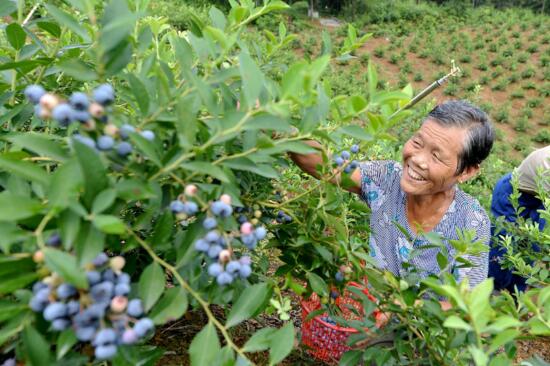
(216, 243)
(102, 315)
(341, 273)
(344, 157)
(79, 108)
(282, 217)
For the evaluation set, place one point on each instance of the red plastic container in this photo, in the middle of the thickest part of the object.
(326, 341)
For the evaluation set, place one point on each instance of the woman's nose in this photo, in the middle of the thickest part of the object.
(419, 159)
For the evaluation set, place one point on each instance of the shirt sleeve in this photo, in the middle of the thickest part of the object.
(377, 178)
(476, 218)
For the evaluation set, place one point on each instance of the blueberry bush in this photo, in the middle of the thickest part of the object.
(144, 174)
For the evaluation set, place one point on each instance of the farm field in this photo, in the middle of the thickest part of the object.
(161, 203)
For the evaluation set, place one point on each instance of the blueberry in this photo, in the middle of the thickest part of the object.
(39, 285)
(38, 110)
(215, 269)
(242, 219)
(54, 240)
(43, 294)
(143, 326)
(287, 218)
(100, 260)
(123, 278)
(93, 277)
(129, 337)
(221, 209)
(65, 291)
(224, 278)
(105, 142)
(345, 155)
(104, 336)
(233, 267)
(177, 206)
(109, 275)
(214, 251)
(104, 94)
(245, 271)
(281, 214)
(122, 289)
(96, 311)
(135, 308)
(354, 149)
(125, 130)
(79, 101)
(212, 236)
(202, 245)
(85, 334)
(209, 223)
(339, 161)
(334, 294)
(190, 208)
(354, 164)
(84, 140)
(348, 169)
(61, 324)
(339, 276)
(124, 148)
(249, 240)
(55, 310)
(37, 305)
(102, 292)
(73, 307)
(245, 260)
(148, 135)
(105, 352)
(63, 113)
(260, 232)
(9, 362)
(34, 93)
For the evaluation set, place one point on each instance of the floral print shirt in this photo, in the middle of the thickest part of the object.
(381, 189)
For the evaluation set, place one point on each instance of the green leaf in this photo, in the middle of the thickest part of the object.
(171, 306)
(501, 323)
(109, 224)
(357, 132)
(118, 22)
(502, 338)
(50, 27)
(480, 358)
(41, 144)
(252, 79)
(205, 347)
(146, 147)
(89, 243)
(246, 164)
(93, 171)
(317, 284)
(65, 185)
(151, 285)
(206, 168)
(37, 350)
(68, 21)
(260, 341)
(372, 78)
(456, 323)
(78, 69)
(250, 302)
(16, 36)
(13, 164)
(133, 190)
(17, 281)
(282, 343)
(65, 342)
(7, 7)
(103, 201)
(66, 266)
(351, 358)
(16, 207)
(140, 93)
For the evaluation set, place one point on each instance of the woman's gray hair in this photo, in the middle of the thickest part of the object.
(481, 135)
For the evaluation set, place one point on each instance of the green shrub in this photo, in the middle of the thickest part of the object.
(484, 80)
(465, 59)
(413, 48)
(522, 124)
(493, 47)
(523, 57)
(379, 51)
(394, 59)
(544, 61)
(482, 65)
(513, 77)
(517, 94)
(500, 85)
(526, 112)
(528, 73)
(533, 48)
(518, 45)
(407, 67)
(542, 137)
(502, 115)
(507, 53)
(424, 53)
(534, 102)
(521, 144)
(451, 89)
(529, 86)
(479, 45)
(544, 90)
(516, 34)
(498, 71)
(418, 77)
(545, 39)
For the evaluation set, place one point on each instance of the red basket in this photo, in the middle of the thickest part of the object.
(326, 341)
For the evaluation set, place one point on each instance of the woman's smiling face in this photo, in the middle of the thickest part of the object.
(430, 159)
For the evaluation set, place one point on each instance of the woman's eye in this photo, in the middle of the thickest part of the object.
(436, 157)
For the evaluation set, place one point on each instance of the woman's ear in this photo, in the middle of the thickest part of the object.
(468, 173)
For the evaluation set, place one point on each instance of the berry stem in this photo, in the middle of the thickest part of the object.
(40, 228)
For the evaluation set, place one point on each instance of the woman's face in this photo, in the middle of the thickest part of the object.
(430, 159)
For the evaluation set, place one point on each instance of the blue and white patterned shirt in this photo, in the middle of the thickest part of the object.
(381, 189)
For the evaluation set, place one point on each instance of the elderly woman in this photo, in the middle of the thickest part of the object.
(421, 193)
(529, 203)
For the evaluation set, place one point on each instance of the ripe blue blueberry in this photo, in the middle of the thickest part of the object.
(177, 206)
(212, 236)
(100, 260)
(34, 93)
(104, 94)
(105, 352)
(143, 326)
(245, 260)
(105, 336)
(84, 140)
(96, 310)
(102, 292)
(339, 276)
(122, 289)
(354, 149)
(54, 240)
(354, 164)
(39, 285)
(245, 271)
(124, 148)
(233, 267)
(38, 110)
(85, 334)
(260, 232)
(249, 240)
(280, 214)
(215, 269)
(79, 101)
(348, 169)
(129, 337)
(61, 324)
(73, 307)
(93, 277)
(123, 278)
(224, 278)
(334, 294)
(209, 223)
(214, 251)
(345, 155)
(55, 310)
(65, 291)
(339, 161)
(125, 130)
(64, 114)
(287, 218)
(43, 294)
(105, 142)
(135, 308)
(37, 305)
(10, 362)
(242, 219)
(221, 209)
(109, 275)
(202, 245)
(190, 208)
(148, 135)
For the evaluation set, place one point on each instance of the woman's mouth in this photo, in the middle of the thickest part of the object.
(414, 175)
